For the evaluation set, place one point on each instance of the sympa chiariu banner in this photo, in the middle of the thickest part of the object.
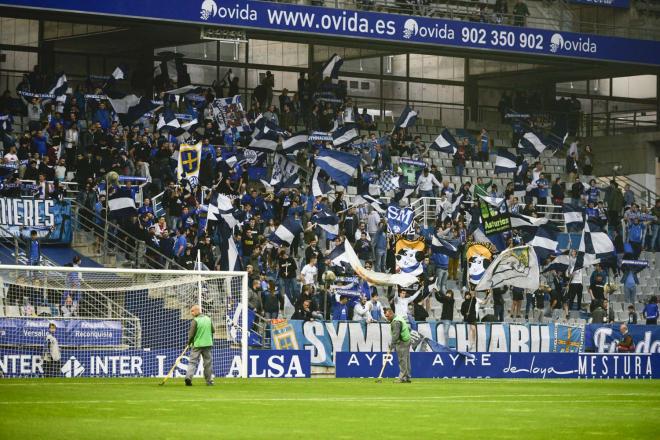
(325, 338)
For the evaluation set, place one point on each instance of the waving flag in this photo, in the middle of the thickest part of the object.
(526, 223)
(573, 217)
(296, 142)
(595, 245)
(445, 143)
(531, 143)
(320, 186)
(338, 165)
(505, 162)
(520, 172)
(450, 209)
(331, 68)
(189, 162)
(59, 88)
(344, 253)
(229, 113)
(400, 220)
(286, 232)
(121, 204)
(545, 241)
(494, 214)
(345, 135)
(374, 202)
(407, 118)
(167, 120)
(517, 267)
(131, 108)
(327, 221)
(560, 264)
(443, 246)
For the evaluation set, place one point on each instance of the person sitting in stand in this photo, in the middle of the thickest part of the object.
(626, 343)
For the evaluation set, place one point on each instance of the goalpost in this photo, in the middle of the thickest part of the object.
(112, 322)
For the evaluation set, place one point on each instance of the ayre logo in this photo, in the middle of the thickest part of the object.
(209, 9)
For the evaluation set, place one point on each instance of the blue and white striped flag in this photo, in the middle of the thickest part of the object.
(331, 68)
(339, 166)
(444, 246)
(345, 135)
(520, 172)
(532, 143)
(121, 204)
(573, 217)
(60, 87)
(505, 162)
(545, 241)
(296, 142)
(286, 232)
(407, 118)
(526, 223)
(327, 221)
(320, 186)
(560, 264)
(445, 143)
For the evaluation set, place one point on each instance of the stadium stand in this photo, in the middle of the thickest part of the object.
(213, 172)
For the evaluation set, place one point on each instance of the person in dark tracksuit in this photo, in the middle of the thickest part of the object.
(200, 339)
(401, 343)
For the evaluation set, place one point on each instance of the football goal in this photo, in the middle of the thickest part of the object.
(117, 322)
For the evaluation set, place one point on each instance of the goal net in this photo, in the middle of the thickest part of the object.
(117, 322)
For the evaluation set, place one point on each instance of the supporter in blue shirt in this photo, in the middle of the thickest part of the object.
(651, 311)
(295, 209)
(39, 144)
(340, 308)
(102, 116)
(380, 247)
(146, 207)
(186, 220)
(34, 249)
(593, 193)
(180, 243)
(592, 212)
(268, 209)
(635, 236)
(542, 190)
(253, 199)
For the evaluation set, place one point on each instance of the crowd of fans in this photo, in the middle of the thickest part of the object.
(81, 139)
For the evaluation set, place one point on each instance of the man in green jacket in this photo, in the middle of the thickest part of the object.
(401, 343)
(481, 189)
(200, 339)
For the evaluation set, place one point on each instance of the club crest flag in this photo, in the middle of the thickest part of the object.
(229, 113)
(516, 267)
(409, 255)
(479, 256)
(189, 162)
(400, 220)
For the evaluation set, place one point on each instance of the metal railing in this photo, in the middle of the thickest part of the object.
(427, 211)
(642, 193)
(620, 122)
(119, 241)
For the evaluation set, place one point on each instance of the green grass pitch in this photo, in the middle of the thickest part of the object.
(328, 408)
